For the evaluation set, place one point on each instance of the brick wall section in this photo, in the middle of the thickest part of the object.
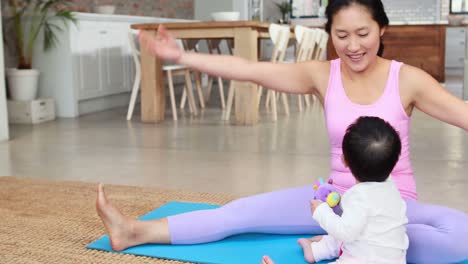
(183, 9)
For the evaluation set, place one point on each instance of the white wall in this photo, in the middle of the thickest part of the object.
(3, 109)
(203, 8)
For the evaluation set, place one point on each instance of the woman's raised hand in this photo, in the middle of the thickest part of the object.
(162, 45)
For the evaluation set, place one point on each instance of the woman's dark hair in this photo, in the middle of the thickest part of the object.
(371, 148)
(375, 8)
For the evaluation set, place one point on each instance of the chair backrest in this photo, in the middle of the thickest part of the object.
(307, 38)
(213, 46)
(279, 35)
(134, 47)
(322, 44)
(190, 44)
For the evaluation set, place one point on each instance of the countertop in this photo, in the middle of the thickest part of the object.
(312, 22)
(124, 18)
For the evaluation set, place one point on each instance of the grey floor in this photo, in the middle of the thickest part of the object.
(206, 154)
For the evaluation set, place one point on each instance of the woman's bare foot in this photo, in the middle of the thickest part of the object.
(267, 260)
(120, 227)
(307, 249)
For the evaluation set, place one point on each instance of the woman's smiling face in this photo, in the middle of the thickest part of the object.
(356, 36)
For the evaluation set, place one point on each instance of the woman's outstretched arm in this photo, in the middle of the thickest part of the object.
(430, 97)
(298, 78)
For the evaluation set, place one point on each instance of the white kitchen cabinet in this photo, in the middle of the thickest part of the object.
(455, 62)
(87, 61)
(103, 64)
(91, 69)
(455, 47)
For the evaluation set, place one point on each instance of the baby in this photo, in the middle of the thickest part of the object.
(372, 226)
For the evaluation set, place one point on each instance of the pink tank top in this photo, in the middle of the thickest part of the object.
(340, 112)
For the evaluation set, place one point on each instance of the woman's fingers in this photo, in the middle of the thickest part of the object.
(163, 32)
(150, 42)
(161, 45)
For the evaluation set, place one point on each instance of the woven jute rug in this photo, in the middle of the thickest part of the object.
(45, 221)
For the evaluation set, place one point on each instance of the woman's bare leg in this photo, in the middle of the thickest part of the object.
(125, 232)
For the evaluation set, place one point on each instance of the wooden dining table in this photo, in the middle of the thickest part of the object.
(246, 36)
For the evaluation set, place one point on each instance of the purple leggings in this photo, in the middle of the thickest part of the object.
(437, 234)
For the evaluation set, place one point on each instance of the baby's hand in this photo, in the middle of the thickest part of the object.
(314, 204)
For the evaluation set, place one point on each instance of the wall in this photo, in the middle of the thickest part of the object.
(157, 8)
(414, 10)
(3, 109)
(404, 10)
(444, 8)
(203, 8)
(183, 9)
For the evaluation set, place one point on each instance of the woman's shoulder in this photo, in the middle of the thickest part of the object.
(316, 71)
(319, 73)
(412, 78)
(412, 72)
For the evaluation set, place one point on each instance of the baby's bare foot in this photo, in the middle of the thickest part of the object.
(307, 249)
(315, 238)
(119, 226)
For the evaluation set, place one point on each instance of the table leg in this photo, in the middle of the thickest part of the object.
(246, 107)
(153, 92)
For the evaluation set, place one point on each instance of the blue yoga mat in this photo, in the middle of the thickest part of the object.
(246, 248)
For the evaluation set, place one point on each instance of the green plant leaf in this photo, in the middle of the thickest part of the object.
(50, 38)
(40, 12)
(284, 7)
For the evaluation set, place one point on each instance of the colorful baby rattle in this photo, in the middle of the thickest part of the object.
(327, 193)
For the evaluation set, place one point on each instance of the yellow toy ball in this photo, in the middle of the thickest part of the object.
(333, 199)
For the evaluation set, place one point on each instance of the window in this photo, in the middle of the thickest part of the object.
(308, 8)
(458, 6)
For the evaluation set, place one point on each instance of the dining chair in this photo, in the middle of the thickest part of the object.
(170, 71)
(279, 35)
(192, 45)
(213, 48)
(322, 46)
(308, 42)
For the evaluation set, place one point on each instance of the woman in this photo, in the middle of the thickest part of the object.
(359, 83)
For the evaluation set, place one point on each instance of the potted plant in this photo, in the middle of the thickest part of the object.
(30, 18)
(285, 8)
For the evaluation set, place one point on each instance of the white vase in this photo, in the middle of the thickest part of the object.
(22, 84)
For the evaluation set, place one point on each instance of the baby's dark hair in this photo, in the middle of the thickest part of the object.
(371, 148)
